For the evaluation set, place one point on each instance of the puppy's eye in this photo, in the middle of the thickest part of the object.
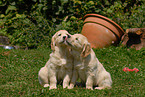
(59, 35)
(76, 38)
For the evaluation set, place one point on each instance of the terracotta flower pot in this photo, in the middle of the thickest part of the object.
(101, 31)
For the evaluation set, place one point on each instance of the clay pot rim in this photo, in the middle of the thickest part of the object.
(105, 18)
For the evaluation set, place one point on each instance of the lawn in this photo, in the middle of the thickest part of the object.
(19, 73)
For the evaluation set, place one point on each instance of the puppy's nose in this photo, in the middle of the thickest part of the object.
(68, 36)
(64, 37)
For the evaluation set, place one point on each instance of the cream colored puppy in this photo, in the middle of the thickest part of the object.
(86, 66)
(59, 66)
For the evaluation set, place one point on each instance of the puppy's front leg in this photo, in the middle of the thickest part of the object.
(53, 82)
(73, 79)
(66, 79)
(89, 82)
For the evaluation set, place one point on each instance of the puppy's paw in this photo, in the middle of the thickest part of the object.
(89, 88)
(71, 87)
(52, 87)
(99, 88)
(65, 86)
(46, 85)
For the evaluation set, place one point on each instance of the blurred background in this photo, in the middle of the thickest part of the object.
(31, 23)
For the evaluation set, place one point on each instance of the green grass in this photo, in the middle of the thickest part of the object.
(19, 74)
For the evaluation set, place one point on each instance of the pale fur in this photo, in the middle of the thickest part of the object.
(86, 66)
(59, 65)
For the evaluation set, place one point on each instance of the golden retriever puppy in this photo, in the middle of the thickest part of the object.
(86, 66)
(59, 66)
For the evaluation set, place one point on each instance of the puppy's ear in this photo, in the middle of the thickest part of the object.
(53, 43)
(86, 50)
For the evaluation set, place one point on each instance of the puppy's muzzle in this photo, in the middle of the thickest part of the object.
(65, 38)
(68, 43)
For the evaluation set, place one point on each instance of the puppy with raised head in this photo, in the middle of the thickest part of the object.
(86, 66)
(59, 66)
